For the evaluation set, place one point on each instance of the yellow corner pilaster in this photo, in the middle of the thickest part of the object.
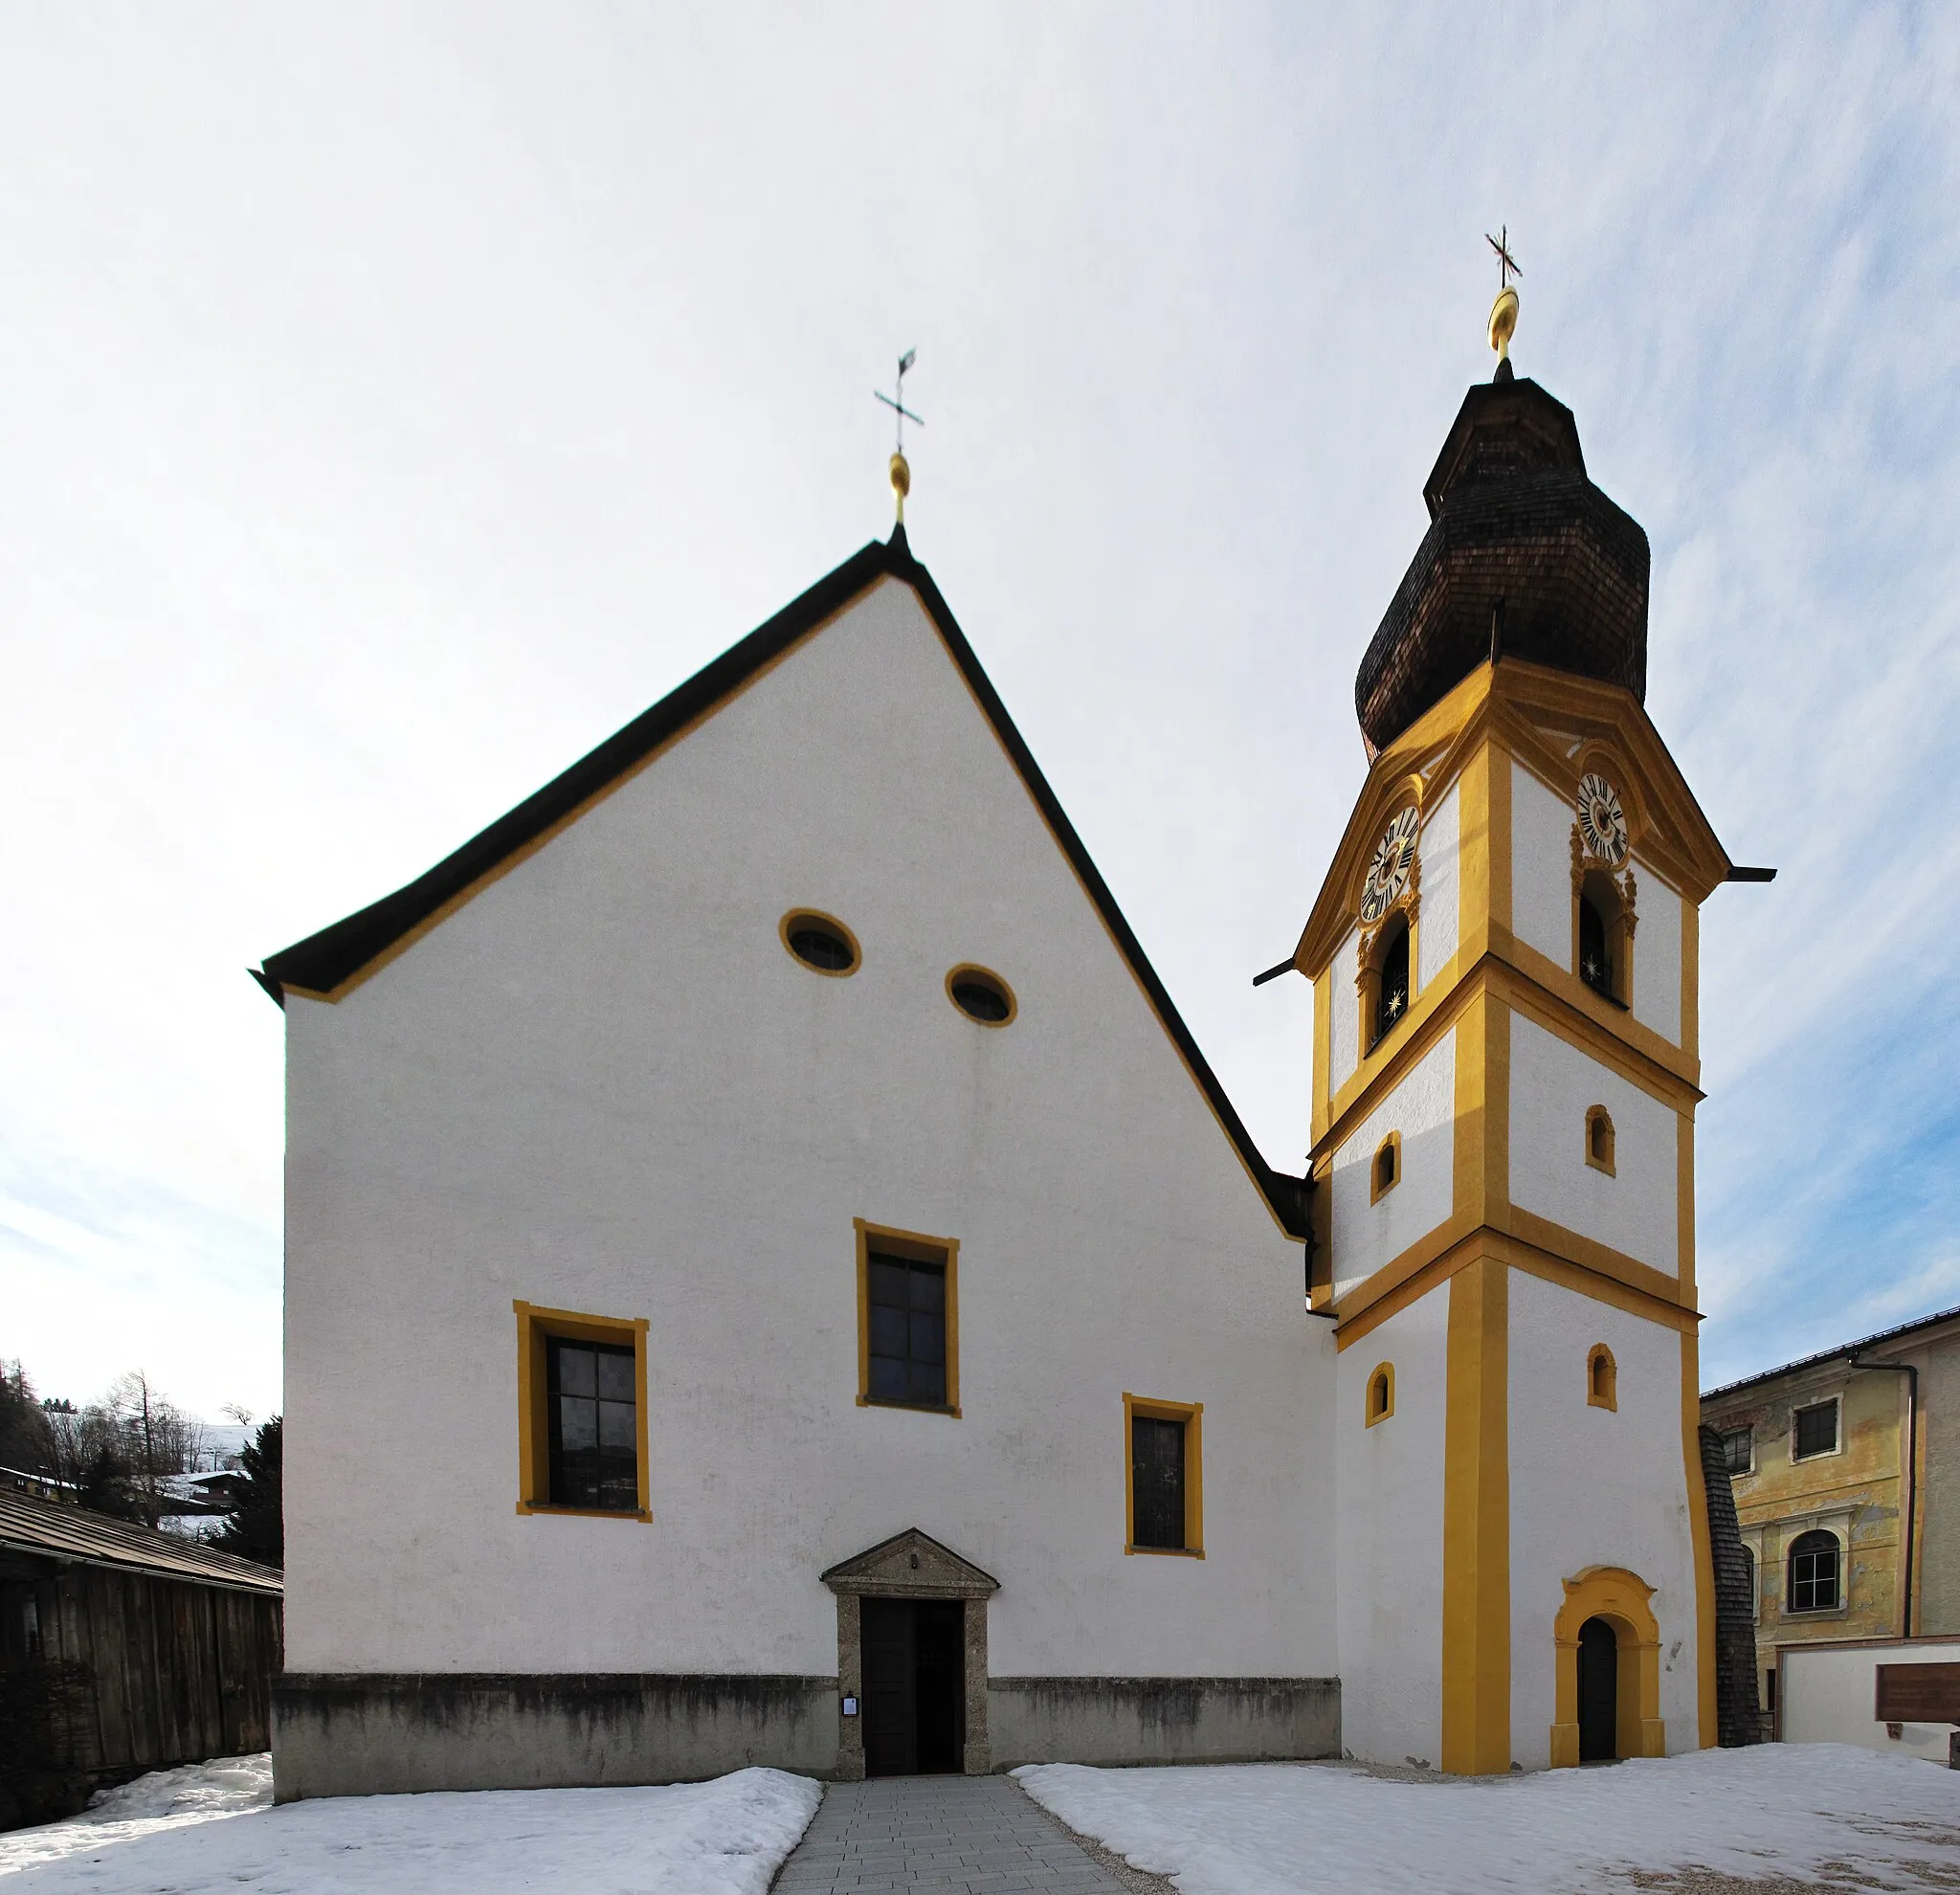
(1698, 1526)
(1477, 1525)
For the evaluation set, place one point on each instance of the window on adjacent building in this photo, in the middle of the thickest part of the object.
(1816, 1580)
(595, 1428)
(1739, 1450)
(1749, 1567)
(1815, 1431)
(1165, 1487)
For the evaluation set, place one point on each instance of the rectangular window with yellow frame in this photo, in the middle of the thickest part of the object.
(582, 1413)
(908, 1320)
(1165, 1491)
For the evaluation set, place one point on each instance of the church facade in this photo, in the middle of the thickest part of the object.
(834, 1317)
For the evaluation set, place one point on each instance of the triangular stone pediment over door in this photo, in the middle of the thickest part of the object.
(909, 1566)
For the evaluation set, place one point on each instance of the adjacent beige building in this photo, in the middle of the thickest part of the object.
(1846, 1468)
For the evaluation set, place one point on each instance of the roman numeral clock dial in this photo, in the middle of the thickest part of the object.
(1602, 822)
(1388, 872)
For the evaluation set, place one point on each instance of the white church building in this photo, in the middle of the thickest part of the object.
(837, 1320)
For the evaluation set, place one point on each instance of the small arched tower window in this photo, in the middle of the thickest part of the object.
(1386, 1172)
(1599, 1139)
(1602, 1378)
(1605, 946)
(1381, 1392)
(1390, 986)
(1815, 1582)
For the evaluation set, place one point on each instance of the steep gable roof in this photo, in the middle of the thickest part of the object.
(328, 963)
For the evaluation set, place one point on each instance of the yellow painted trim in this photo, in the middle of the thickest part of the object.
(1597, 1140)
(1600, 1259)
(920, 1249)
(992, 979)
(1698, 1530)
(1560, 1001)
(534, 1324)
(1477, 1525)
(1621, 1598)
(1323, 1048)
(823, 920)
(1378, 1186)
(1684, 1202)
(1690, 979)
(1383, 1373)
(1192, 1414)
(1602, 1378)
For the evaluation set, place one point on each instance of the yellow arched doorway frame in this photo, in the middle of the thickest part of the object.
(1619, 1597)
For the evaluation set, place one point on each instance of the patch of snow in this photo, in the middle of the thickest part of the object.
(727, 1836)
(1298, 1829)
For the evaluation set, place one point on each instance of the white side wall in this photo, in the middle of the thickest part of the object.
(1829, 1693)
(1656, 953)
(1437, 932)
(1637, 1210)
(1344, 1013)
(1423, 1108)
(1592, 1486)
(1541, 867)
(1390, 1539)
(603, 1086)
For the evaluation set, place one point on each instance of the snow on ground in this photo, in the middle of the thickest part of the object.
(725, 1837)
(163, 1799)
(1300, 1829)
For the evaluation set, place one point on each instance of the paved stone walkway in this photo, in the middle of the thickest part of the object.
(960, 1835)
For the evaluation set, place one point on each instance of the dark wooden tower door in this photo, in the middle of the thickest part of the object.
(1598, 1692)
(915, 1701)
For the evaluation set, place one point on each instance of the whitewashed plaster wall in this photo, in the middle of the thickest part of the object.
(1828, 1694)
(1592, 1486)
(1637, 1210)
(1392, 1539)
(1437, 920)
(1541, 867)
(1658, 921)
(1422, 1107)
(601, 1084)
(1344, 1013)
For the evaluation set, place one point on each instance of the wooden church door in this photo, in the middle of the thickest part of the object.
(1598, 1692)
(914, 1671)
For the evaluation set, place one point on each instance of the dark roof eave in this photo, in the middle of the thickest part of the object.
(325, 961)
(1912, 1328)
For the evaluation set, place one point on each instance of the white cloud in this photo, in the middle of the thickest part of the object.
(391, 410)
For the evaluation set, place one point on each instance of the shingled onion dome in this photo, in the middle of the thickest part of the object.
(1525, 558)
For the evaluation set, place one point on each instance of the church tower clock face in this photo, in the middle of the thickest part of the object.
(1602, 822)
(1387, 874)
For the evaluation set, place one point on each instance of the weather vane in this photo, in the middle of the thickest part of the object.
(901, 468)
(1504, 312)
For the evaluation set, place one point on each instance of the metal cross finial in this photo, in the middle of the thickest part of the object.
(1507, 268)
(897, 401)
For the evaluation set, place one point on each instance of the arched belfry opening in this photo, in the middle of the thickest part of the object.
(1389, 981)
(1605, 937)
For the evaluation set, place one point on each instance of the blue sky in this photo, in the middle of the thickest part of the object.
(394, 400)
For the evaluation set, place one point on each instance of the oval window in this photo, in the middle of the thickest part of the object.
(981, 995)
(820, 942)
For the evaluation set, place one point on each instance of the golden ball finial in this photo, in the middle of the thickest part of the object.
(1504, 322)
(902, 483)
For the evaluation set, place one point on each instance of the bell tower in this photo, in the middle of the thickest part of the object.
(1505, 1079)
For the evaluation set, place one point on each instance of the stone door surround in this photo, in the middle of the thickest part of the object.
(909, 1566)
